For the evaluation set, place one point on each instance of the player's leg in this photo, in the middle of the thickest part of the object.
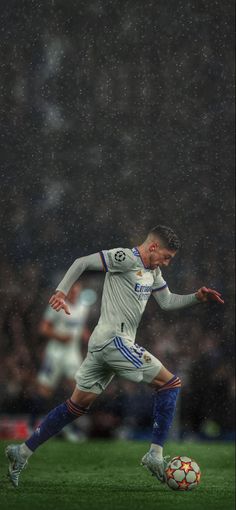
(58, 418)
(53, 423)
(136, 364)
(72, 361)
(91, 380)
(166, 388)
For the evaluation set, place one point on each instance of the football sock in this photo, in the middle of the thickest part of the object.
(25, 451)
(163, 410)
(158, 450)
(54, 422)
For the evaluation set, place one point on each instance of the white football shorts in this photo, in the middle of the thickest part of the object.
(120, 357)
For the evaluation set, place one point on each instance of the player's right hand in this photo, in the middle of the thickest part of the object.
(57, 302)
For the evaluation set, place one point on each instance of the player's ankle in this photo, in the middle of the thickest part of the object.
(25, 451)
(158, 450)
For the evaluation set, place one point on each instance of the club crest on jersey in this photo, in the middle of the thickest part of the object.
(147, 358)
(120, 256)
(139, 273)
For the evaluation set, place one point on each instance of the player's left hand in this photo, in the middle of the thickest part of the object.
(204, 294)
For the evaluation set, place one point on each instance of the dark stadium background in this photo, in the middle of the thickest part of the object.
(117, 116)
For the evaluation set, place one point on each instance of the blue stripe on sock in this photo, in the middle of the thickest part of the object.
(126, 353)
(170, 381)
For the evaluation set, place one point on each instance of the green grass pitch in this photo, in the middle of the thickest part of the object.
(106, 475)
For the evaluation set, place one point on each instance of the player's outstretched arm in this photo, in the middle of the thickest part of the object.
(205, 294)
(169, 301)
(92, 262)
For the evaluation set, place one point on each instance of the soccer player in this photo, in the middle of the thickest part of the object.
(132, 275)
(63, 353)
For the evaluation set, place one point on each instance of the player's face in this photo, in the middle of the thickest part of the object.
(160, 256)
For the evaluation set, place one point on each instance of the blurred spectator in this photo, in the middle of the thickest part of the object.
(67, 337)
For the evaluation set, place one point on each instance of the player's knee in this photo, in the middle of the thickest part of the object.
(83, 398)
(177, 382)
(173, 383)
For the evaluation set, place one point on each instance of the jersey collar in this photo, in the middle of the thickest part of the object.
(137, 254)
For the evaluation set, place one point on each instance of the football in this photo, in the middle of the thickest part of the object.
(182, 474)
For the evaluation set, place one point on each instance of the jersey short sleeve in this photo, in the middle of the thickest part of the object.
(118, 260)
(159, 282)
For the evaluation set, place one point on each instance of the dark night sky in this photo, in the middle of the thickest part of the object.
(116, 116)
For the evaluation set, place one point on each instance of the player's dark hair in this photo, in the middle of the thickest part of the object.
(167, 236)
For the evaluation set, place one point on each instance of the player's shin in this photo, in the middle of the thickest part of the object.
(163, 412)
(54, 423)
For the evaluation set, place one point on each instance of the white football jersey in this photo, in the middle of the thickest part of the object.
(127, 287)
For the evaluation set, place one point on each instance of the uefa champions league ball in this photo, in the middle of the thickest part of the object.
(182, 474)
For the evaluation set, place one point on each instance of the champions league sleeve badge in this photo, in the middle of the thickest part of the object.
(120, 256)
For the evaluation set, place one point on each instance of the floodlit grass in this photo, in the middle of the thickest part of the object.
(106, 475)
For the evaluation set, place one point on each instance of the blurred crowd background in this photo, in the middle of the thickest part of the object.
(117, 116)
